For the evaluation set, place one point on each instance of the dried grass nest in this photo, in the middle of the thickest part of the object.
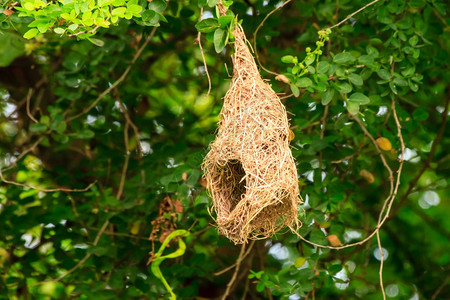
(250, 172)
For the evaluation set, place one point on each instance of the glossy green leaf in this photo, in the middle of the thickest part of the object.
(303, 82)
(207, 25)
(343, 58)
(31, 33)
(355, 79)
(220, 39)
(328, 96)
(359, 98)
(323, 67)
(344, 87)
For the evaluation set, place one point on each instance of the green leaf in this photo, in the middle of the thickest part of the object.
(333, 269)
(310, 59)
(220, 39)
(12, 46)
(60, 128)
(304, 82)
(150, 16)
(393, 87)
(45, 120)
(359, 98)
(224, 21)
(162, 18)
(207, 25)
(366, 60)
(299, 261)
(120, 11)
(31, 33)
(28, 6)
(295, 90)
(38, 127)
(343, 58)
(260, 286)
(413, 86)
(352, 107)
(73, 27)
(134, 9)
(59, 30)
(413, 40)
(118, 2)
(212, 3)
(323, 67)
(328, 96)
(287, 59)
(87, 18)
(85, 134)
(344, 87)
(420, 114)
(102, 3)
(157, 5)
(383, 74)
(372, 51)
(400, 81)
(227, 3)
(96, 42)
(409, 71)
(355, 79)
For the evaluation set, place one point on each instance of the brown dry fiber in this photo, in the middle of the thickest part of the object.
(250, 171)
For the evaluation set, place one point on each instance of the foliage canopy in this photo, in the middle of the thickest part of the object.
(105, 120)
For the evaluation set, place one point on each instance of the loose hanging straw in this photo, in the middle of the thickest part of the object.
(250, 171)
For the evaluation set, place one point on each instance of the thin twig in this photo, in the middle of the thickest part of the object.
(233, 278)
(45, 190)
(244, 294)
(125, 164)
(25, 152)
(427, 163)
(30, 93)
(83, 260)
(381, 265)
(345, 158)
(440, 17)
(390, 205)
(352, 14)
(436, 293)
(285, 97)
(256, 33)
(324, 122)
(119, 234)
(322, 132)
(366, 132)
(86, 257)
(130, 122)
(233, 265)
(387, 205)
(118, 196)
(285, 3)
(203, 56)
(118, 81)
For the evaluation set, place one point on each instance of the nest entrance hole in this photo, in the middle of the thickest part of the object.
(232, 180)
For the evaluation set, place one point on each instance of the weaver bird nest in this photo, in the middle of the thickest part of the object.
(250, 171)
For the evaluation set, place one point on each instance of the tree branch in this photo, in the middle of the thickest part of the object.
(427, 163)
(233, 278)
(118, 81)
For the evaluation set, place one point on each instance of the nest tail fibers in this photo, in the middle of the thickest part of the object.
(250, 171)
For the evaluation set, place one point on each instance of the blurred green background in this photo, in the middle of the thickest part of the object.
(141, 145)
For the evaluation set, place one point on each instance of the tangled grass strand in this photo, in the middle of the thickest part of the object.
(250, 172)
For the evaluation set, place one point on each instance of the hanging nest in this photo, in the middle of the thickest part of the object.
(250, 171)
